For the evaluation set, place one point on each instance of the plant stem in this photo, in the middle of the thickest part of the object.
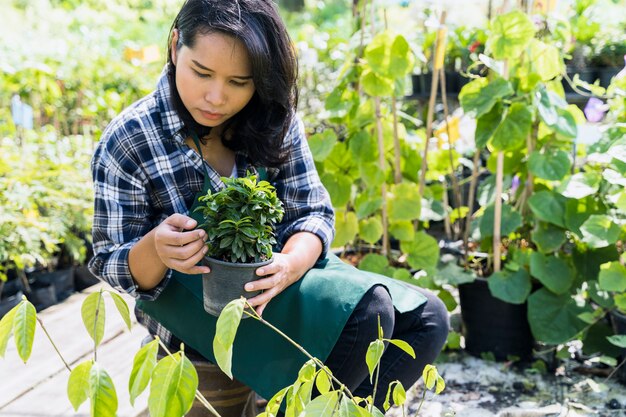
(615, 369)
(53, 344)
(375, 385)
(470, 205)
(95, 329)
(497, 215)
(300, 348)
(421, 403)
(198, 395)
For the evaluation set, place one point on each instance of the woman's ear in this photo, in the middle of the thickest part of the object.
(173, 46)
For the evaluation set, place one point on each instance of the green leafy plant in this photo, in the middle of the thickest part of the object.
(239, 219)
(334, 398)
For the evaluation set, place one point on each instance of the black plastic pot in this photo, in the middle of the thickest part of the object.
(9, 300)
(225, 283)
(606, 74)
(42, 295)
(492, 325)
(83, 278)
(62, 280)
(618, 321)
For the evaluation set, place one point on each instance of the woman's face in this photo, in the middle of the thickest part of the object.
(214, 78)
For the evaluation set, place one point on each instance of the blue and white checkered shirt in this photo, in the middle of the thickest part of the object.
(144, 172)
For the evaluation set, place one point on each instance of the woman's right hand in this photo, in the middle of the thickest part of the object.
(179, 245)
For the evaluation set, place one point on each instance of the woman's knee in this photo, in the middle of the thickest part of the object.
(376, 307)
(436, 317)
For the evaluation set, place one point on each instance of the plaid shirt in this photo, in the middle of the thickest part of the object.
(143, 172)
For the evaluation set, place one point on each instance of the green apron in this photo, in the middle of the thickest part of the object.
(312, 311)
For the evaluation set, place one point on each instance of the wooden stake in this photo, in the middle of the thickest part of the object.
(497, 218)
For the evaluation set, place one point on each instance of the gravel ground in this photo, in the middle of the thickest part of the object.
(479, 388)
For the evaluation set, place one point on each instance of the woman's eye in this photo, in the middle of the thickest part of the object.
(201, 75)
(238, 83)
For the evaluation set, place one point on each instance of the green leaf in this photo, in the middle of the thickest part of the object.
(346, 228)
(377, 53)
(376, 86)
(363, 146)
(511, 287)
(347, 408)
(430, 376)
(322, 144)
(404, 202)
(553, 272)
(422, 252)
(102, 392)
(225, 331)
(24, 323)
(143, 364)
(549, 164)
(339, 188)
(78, 384)
(399, 394)
(553, 111)
(510, 35)
(403, 345)
(273, 405)
(6, 328)
(173, 387)
(371, 174)
(322, 382)
(600, 231)
(376, 263)
(372, 357)
(307, 372)
(618, 340)
(401, 60)
(487, 124)
(454, 275)
(371, 230)
(548, 238)
(512, 132)
(612, 277)
(480, 96)
(402, 230)
(554, 318)
(549, 207)
(122, 307)
(511, 220)
(544, 59)
(93, 313)
(323, 405)
(580, 185)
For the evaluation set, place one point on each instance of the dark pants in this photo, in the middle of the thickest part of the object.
(425, 329)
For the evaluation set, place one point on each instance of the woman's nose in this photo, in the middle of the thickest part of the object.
(215, 95)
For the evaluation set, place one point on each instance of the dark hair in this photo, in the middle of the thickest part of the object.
(260, 127)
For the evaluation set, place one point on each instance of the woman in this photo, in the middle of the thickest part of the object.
(230, 80)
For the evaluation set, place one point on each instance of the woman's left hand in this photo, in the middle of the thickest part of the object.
(278, 275)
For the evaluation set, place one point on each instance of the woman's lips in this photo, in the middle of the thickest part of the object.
(211, 116)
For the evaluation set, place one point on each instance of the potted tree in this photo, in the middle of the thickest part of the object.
(239, 221)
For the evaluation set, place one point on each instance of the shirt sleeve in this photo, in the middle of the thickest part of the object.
(121, 214)
(307, 204)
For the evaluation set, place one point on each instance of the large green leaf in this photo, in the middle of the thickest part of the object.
(401, 60)
(6, 328)
(554, 113)
(549, 207)
(339, 188)
(78, 384)
(580, 185)
(173, 387)
(512, 132)
(225, 332)
(422, 252)
(371, 229)
(368, 202)
(373, 355)
(544, 59)
(577, 212)
(143, 364)
(375, 85)
(549, 164)
(554, 318)
(587, 261)
(376, 53)
(374, 262)
(547, 237)
(323, 405)
(346, 228)
(612, 277)
(102, 392)
(452, 274)
(553, 272)
(363, 146)
(510, 35)
(404, 202)
(122, 307)
(511, 220)
(322, 144)
(24, 323)
(487, 124)
(511, 287)
(93, 313)
(402, 230)
(371, 174)
(480, 96)
(600, 231)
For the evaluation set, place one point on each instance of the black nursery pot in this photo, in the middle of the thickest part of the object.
(62, 280)
(225, 283)
(618, 320)
(42, 295)
(9, 300)
(492, 325)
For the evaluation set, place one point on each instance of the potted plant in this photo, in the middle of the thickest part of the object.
(239, 221)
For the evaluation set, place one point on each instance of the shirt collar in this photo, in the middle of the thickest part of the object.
(171, 122)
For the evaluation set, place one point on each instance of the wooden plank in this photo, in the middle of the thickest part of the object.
(43, 379)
